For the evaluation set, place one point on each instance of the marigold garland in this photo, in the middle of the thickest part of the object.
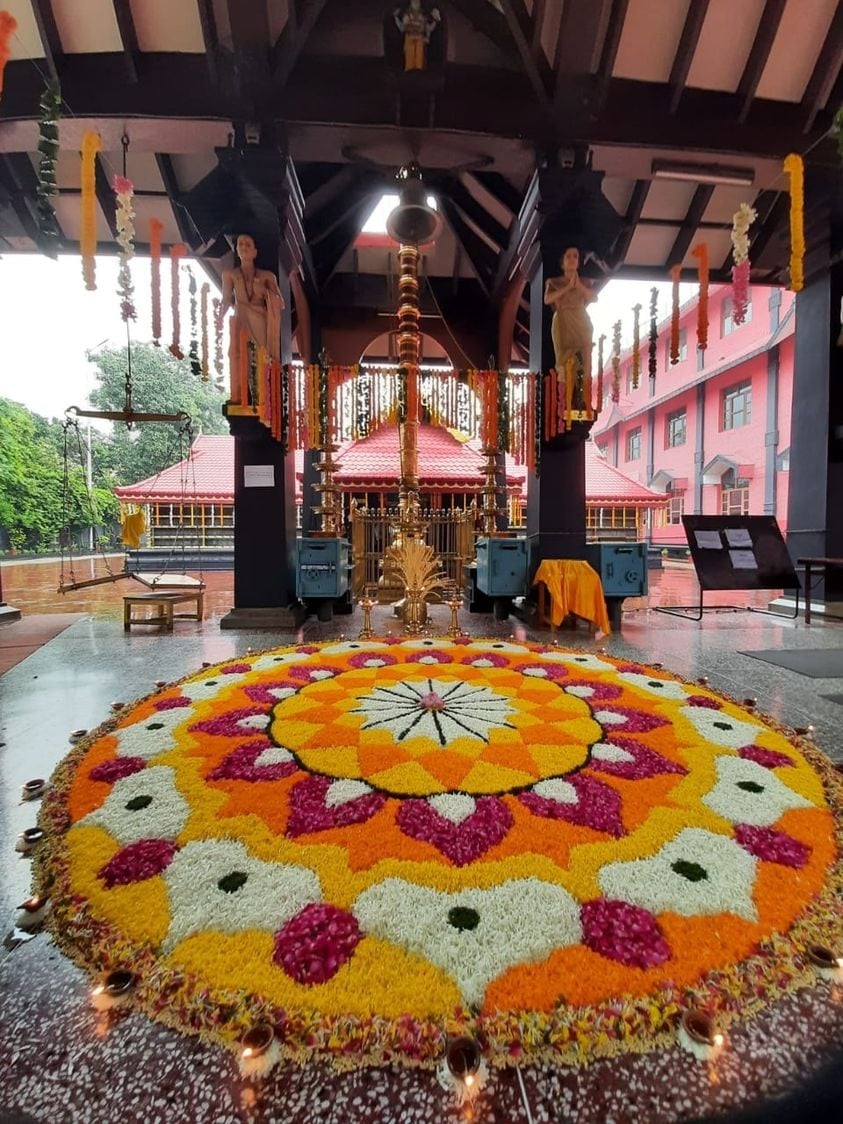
(700, 252)
(91, 145)
(216, 306)
(636, 345)
(125, 219)
(156, 229)
(388, 988)
(675, 274)
(203, 300)
(795, 169)
(48, 151)
(177, 252)
(616, 361)
(742, 220)
(8, 26)
(652, 351)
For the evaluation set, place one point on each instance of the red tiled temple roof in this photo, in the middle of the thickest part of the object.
(444, 463)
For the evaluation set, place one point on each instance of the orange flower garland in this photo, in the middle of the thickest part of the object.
(91, 145)
(177, 252)
(8, 26)
(700, 252)
(675, 274)
(795, 169)
(156, 229)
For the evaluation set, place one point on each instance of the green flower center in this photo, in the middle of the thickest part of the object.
(692, 871)
(463, 918)
(231, 883)
(138, 802)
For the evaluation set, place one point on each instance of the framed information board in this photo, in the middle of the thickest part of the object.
(736, 552)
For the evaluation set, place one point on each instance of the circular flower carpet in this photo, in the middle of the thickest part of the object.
(371, 845)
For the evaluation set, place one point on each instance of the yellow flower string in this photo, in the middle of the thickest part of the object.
(700, 252)
(91, 145)
(795, 169)
(156, 229)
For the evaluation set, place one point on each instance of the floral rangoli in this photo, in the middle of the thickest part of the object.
(373, 844)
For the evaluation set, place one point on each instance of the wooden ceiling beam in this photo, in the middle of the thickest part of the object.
(690, 224)
(128, 37)
(475, 212)
(499, 186)
(768, 27)
(291, 42)
(631, 218)
(825, 72)
(48, 33)
(686, 50)
(210, 37)
(105, 195)
(475, 249)
(580, 27)
(539, 7)
(18, 192)
(536, 67)
(487, 20)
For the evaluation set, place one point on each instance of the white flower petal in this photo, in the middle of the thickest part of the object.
(271, 660)
(518, 922)
(453, 806)
(563, 792)
(344, 646)
(274, 755)
(153, 735)
(580, 692)
(746, 792)
(145, 805)
(576, 659)
(653, 685)
(610, 718)
(720, 728)
(604, 752)
(344, 791)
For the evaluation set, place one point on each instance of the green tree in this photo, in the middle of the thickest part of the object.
(160, 384)
(35, 506)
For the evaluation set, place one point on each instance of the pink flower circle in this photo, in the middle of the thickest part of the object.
(314, 945)
(487, 659)
(371, 659)
(429, 656)
(312, 672)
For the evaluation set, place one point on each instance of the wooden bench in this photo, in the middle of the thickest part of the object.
(809, 564)
(165, 605)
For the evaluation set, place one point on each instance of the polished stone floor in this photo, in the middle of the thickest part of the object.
(61, 1063)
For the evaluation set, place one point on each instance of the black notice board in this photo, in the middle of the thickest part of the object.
(751, 553)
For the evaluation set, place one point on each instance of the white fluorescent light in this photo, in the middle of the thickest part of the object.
(703, 173)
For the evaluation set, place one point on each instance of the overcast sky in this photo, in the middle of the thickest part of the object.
(50, 320)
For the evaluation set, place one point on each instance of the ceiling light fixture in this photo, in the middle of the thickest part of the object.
(703, 173)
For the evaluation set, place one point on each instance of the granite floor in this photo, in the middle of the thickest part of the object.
(64, 1064)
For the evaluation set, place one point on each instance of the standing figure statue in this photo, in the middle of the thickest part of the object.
(416, 27)
(256, 298)
(571, 327)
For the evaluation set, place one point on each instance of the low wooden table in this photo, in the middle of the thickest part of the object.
(165, 603)
(809, 564)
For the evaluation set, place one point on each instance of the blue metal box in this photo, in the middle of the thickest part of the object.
(622, 567)
(322, 569)
(502, 567)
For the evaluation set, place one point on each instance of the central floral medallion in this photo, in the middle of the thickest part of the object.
(480, 730)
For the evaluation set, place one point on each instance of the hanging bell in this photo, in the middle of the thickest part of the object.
(413, 221)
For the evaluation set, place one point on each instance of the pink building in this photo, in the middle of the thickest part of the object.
(713, 431)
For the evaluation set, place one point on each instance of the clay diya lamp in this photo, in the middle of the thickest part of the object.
(32, 790)
(32, 912)
(259, 1051)
(114, 990)
(28, 840)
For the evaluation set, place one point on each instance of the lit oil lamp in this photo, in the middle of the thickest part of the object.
(77, 736)
(33, 789)
(28, 840)
(259, 1051)
(159, 683)
(115, 706)
(825, 962)
(804, 731)
(697, 1035)
(114, 990)
(463, 1070)
(702, 680)
(32, 913)
(750, 703)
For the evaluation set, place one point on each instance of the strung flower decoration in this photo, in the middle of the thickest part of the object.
(700, 252)
(616, 361)
(795, 169)
(675, 274)
(8, 26)
(48, 150)
(742, 220)
(91, 145)
(203, 302)
(636, 345)
(156, 229)
(652, 355)
(125, 217)
(195, 367)
(177, 252)
(217, 310)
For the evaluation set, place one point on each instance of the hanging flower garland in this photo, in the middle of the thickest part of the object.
(156, 229)
(600, 344)
(675, 274)
(795, 169)
(616, 362)
(203, 299)
(48, 151)
(636, 345)
(700, 252)
(177, 252)
(652, 352)
(742, 220)
(91, 145)
(217, 311)
(193, 352)
(125, 217)
(8, 26)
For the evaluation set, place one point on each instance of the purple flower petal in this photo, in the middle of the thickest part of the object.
(371, 658)
(262, 692)
(463, 842)
(624, 932)
(228, 725)
(634, 721)
(172, 703)
(309, 812)
(316, 942)
(646, 763)
(772, 846)
(429, 656)
(235, 669)
(239, 765)
(597, 806)
(111, 771)
(137, 862)
(706, 701)
(766, 757)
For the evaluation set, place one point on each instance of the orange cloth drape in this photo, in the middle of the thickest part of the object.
(574, 587)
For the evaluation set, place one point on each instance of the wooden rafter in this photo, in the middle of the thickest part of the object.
(105, 195)
(506, 193)
(577, 40)
(291, 41)
(765, 36)
(539, 7)
(487, 20)
(612, 39)
(688, 41)
(475, 212)
(631, 218)
(210, 36)
(696, 210)
(17, 192)
(330, 190)
(522, 236)
(187, 230)
(48, 32)
(128, 37)
(476, 250)
(825, 72)
(535, 66)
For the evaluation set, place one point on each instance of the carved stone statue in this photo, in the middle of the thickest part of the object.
(571, 327)
(256, 298)
(416, 26)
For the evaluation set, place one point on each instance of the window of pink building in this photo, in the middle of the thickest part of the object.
(736, 406)
(633, 444)
(727, 316)
(676, 429)
(675, 508)
(734, 494)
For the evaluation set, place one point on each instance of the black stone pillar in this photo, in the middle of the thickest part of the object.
(556, 498)
(815, 508)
